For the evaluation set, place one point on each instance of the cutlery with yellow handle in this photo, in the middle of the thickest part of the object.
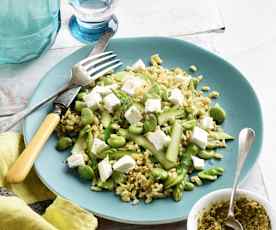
(83, 73)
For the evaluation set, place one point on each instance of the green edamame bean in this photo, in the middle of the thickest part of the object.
(115, 126)
(211, 173)
(64, 143)
(159, 174)
(217, 113)
(116, 141)
(150, 123)
(214, 171)
(136, 128)
(117, 154)
(206, 176)
(86, 116)
(123, 133)
(86, 172)
(79, 105)
(81, 96)
(188, 186)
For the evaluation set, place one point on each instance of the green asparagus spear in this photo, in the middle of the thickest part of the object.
(173, 148)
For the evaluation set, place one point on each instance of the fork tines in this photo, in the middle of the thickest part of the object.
(100, 64)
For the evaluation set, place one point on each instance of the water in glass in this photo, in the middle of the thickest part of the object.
(91, 18)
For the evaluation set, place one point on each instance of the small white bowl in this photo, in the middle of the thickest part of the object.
(224, 194)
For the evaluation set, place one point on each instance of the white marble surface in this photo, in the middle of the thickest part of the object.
(249, 42)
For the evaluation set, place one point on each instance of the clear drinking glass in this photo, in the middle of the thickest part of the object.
(92, 18)
(27, 28)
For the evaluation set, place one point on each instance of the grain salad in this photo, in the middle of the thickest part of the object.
(145, 133)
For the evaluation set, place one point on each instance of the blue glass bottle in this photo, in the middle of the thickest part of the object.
(27, 28)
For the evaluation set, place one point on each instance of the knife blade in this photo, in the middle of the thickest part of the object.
(24, 163)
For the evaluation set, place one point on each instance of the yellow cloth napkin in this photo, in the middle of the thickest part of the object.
(15, 214)
(31, 190)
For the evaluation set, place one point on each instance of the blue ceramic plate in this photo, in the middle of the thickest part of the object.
(237, 97)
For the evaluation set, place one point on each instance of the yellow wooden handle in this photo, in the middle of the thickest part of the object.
(22, 166)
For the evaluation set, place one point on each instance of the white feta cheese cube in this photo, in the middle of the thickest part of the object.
(75, 160)
(98, 145)
(139, 64)
(133, 115)
(176, 97)
(132, 84)
(159, 139)
(104, 90)
(105, 169)
(111, 101)
(93, 99)
(153, 105)
(198, 163)
(207, 123)
(199, 137)
(124, 164)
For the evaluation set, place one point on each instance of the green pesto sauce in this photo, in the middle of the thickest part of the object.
(250, 213)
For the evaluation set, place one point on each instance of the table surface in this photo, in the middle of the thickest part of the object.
(249, 43)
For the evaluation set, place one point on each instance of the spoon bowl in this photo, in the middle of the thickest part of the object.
(233, 223)
(246, 139)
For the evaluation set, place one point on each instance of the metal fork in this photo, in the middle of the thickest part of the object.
(83, 73)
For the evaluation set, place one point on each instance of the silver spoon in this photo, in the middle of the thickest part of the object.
(246, 139)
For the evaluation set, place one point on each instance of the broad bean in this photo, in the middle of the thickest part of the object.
(79, 105)
(116, 141)
(81, 96)
(159, 174)
(188, 186)
(217, 113)
(136, 128)
(64, 143)
(86, 116)
(86, 172)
